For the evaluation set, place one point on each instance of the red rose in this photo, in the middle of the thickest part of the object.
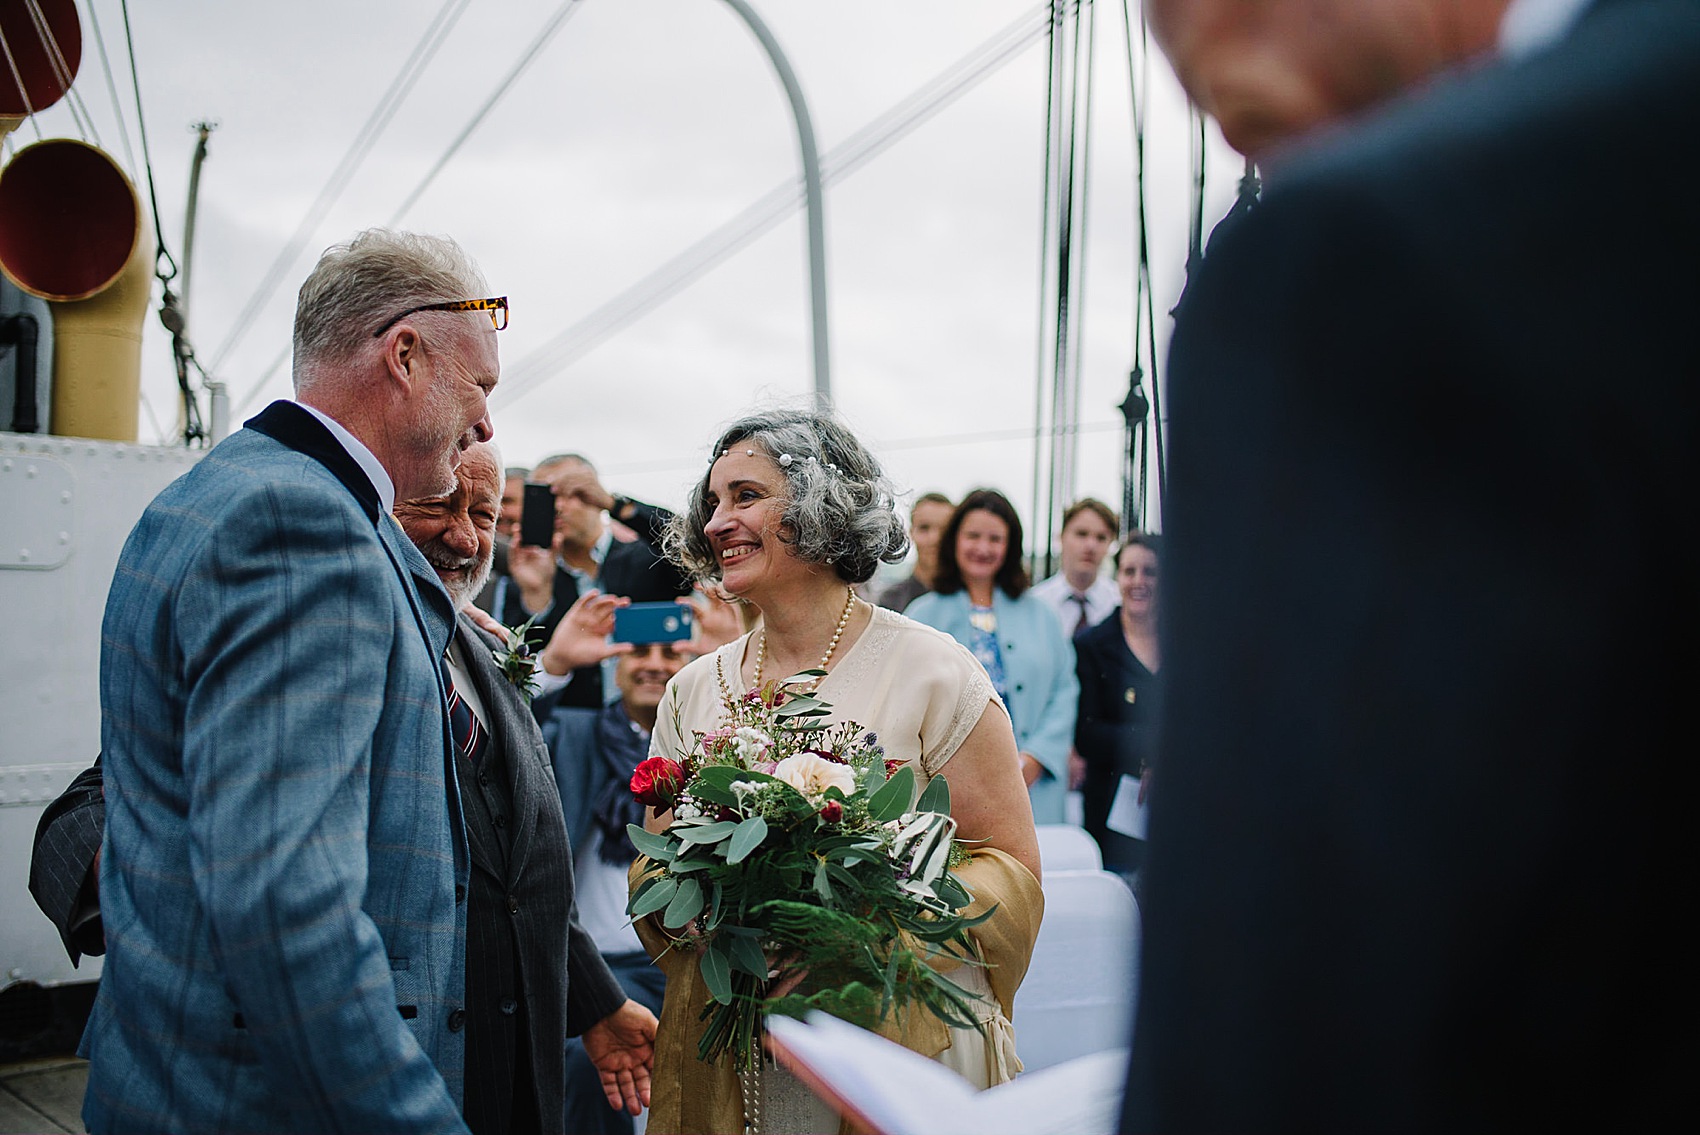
(656, 782)
(832, 811)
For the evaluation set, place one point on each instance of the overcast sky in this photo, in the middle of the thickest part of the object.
(642, 126)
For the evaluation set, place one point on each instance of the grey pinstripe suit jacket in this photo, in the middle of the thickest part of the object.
(527, 959)
(284, 867)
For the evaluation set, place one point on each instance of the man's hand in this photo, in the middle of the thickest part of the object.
(580, 481)
(486, 621)
(622, 1046)
(1076, 770)
(581, 637)
(533, 572)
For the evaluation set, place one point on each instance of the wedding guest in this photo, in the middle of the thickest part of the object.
(1120, 698)
(981, 599)
(791, 512)
(931, 512)
(588, 553)
(1080, 596)
(1422, 840)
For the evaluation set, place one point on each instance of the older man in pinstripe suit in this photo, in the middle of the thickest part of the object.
(533, 977)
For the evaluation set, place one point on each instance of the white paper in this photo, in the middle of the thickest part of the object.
(1127, 814)
(898, 1092)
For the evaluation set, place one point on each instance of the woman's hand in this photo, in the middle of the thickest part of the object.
(1031, 769)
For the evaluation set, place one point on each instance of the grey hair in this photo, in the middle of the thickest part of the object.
(842, 509)
(356, 286)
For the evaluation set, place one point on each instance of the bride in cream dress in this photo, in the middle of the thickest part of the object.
(792, 512)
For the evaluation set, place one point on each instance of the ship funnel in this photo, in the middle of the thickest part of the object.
(71, 232)
(44, 45)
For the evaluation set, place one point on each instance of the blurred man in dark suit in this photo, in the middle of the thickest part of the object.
(1416, 860)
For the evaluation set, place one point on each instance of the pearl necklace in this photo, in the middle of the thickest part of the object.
(837, 633)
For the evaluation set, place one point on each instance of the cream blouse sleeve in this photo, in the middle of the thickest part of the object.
(958, 693)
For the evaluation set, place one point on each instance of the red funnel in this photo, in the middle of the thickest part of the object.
(44, 83)
(68, 220)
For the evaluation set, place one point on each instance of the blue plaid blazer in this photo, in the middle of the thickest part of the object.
(284, 867)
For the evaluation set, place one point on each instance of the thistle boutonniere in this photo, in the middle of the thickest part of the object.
(517, 661)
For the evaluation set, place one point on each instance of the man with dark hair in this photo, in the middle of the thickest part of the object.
(1080, 594)
(1416, 855)
(927, 518)
(602, 542)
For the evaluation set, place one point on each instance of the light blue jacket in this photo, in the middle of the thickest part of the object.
(284, 866)
(1043, 690)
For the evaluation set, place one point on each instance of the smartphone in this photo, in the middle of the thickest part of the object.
(537, 515)
(652, 622)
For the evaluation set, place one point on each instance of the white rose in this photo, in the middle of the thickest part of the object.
(812, 775)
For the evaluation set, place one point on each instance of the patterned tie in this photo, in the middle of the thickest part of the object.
(1082, 624)
(470, 738)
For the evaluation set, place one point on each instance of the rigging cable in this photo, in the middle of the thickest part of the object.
(538, 43)
(436, 32)
(1053, 127)
(112, 88)
(1137, 409)
(531, 52)
(869, 142)
(164, 266)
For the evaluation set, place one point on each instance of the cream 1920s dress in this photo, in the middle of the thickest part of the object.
(923, 693)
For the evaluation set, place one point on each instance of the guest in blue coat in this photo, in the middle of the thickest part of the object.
(980, 598)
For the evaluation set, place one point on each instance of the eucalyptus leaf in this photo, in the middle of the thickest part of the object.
(747, 954)
(936, 797)
(654, 898)
(823, 886)
(746, 839)
(682, 866)
(707, 833)
(650, 844)
(686, 904)
(717, 972)
(892, 799)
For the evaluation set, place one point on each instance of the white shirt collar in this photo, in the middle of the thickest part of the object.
(1531, 25)
(363, 457)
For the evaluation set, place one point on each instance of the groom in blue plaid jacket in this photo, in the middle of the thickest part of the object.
(284, 873)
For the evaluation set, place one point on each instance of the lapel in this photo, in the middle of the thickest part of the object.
(289, 424)
(513, 728)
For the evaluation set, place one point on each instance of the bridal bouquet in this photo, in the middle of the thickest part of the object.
(794, 846)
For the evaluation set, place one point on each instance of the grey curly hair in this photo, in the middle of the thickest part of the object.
(842, 509)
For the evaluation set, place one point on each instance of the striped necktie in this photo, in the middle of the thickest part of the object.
(1083, 623)
(470, 737)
